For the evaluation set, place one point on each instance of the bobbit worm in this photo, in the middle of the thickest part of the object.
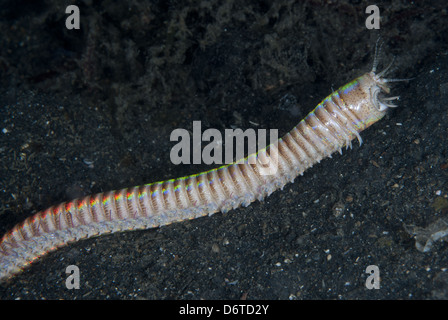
(332, 125)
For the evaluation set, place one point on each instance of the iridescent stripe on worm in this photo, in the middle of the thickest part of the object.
(332, 125)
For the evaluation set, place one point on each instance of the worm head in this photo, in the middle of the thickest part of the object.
(367, 97)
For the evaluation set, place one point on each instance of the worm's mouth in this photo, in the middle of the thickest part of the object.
(380, 101)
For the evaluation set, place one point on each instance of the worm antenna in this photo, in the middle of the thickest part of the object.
(376, 59)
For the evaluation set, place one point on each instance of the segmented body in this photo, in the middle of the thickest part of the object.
(333, 124)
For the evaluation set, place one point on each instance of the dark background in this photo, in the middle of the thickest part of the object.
(90, 110)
